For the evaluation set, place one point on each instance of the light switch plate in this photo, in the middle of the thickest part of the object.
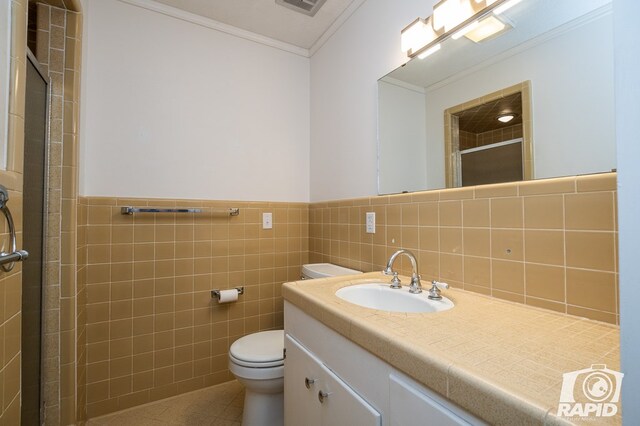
(371, 223)
(267, 220)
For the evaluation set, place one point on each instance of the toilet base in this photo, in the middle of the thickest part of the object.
(263, 409)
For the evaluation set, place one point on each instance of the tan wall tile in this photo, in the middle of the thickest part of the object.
(590, 250)
(597, 182)
(476, 242)
(477, 271)
(169, 332)
(544, 247)
(476, 213)
(544, 212)
(507, 244)
(590, 211)
(450, 213)
(507, 276)
(591, 289)
(451, 240)
(545, 282)
(150, 307)
(506, 212)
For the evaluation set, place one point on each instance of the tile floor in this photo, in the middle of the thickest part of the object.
(219, 405)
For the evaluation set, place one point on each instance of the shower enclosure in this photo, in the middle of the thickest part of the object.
(34, 203)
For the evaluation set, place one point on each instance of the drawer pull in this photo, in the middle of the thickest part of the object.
(308, 382)
(322, 395)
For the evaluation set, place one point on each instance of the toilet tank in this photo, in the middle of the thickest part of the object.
(323, 270)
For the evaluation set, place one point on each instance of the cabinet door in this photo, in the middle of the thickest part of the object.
(410, 406)
(302, 374)
(343, 406)
(314, 395)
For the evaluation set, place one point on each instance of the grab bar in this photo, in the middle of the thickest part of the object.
(128, 210)
(8, 260)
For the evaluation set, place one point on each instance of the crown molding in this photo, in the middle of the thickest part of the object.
(335, 26)
(218, 26)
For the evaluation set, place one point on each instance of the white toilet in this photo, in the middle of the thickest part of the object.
(257, 362)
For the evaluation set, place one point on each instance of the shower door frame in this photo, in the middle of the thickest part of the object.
(45, 213)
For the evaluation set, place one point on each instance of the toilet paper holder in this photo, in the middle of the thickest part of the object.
(216, 293)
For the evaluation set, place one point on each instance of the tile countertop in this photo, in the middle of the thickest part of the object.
(499, 360)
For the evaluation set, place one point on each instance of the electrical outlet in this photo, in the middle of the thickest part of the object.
(267, 220)
(371, 223)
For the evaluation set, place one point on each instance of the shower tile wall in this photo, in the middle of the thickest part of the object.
(57, 47)
(11, 178)
(152, 328)
(548, 243)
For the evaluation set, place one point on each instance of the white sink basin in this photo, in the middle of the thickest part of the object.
(378, 295)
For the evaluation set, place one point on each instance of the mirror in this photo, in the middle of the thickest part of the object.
(561, 50)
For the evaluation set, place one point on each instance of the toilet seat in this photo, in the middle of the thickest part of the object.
(259, 350)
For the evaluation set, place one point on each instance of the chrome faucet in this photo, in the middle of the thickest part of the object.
(415, 286)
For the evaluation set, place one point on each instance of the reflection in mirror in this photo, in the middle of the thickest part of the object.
(488, 140)
(564, 53)
(5, 54)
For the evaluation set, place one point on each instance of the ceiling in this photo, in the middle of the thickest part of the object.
(484, 118)
(266, 18)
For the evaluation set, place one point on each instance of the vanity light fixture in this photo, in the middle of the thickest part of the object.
(453, 19)
(465, 30)
(504, 6)
(448, 14)
(486, 28)
(505, 118)
(430, 51)
(417, 34)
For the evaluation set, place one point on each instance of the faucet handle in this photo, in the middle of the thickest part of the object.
(434, 291)
(440, 285)
(395, 281)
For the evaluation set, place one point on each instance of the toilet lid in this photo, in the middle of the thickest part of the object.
(264, 349)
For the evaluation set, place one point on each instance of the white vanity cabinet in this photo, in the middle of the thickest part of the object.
(317, 396)
(362, 389)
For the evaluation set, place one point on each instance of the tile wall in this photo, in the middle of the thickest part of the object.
(499, 135)
(152, 328)
(473, 140)
(547, 243)
(57, 41)
(11, 178)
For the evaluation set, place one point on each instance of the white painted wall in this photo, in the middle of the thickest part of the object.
(402, 134)
(572, 102)
(627, 64)
(344, 74)
(172, 109)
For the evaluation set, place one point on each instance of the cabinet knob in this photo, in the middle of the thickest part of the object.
(308, 382)
(322, 395)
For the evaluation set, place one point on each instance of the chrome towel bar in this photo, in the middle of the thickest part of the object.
(8, 260)
(128, 210)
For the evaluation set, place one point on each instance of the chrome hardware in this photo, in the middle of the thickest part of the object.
(308, 382)
(322, 395)
(131, 210)
(395, 281)
(7, 260)
(434, 291)
(216, 293)
(415, 287)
